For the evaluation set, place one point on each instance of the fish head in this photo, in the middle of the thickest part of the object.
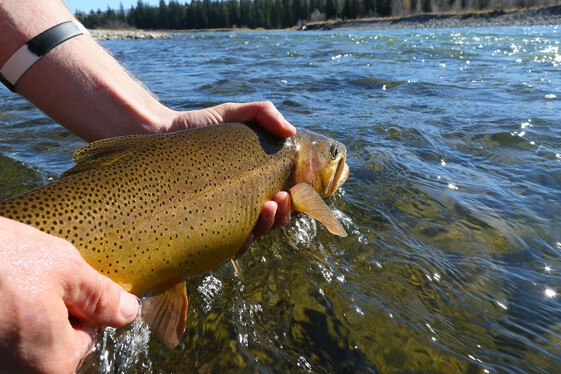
(320, 163)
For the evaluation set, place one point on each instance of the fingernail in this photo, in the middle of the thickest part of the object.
(288, 124)
(283, 120)
(286, 204)
(129, 306)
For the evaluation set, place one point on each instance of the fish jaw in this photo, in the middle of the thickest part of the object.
(321, 163)
(337, 172)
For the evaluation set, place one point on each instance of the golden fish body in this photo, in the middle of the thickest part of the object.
(152, 210)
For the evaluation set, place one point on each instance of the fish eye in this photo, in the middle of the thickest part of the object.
(334, 152)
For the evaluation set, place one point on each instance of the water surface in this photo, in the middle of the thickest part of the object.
(452, 263)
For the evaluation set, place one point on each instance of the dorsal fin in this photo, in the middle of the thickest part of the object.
(106, 152)
(305, 199)
(166, 314)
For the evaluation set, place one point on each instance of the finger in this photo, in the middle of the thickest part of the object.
(70, 342)
(282, 216)
(85, 338)
(96, 299)
(266, 219)
(263, 112)
(269, 218)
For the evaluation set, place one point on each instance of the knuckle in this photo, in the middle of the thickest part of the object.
(267, 104)
(106, 300)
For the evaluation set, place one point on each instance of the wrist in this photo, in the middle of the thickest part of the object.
(80, 86)
(155, 120)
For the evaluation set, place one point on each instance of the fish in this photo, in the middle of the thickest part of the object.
(150, 211)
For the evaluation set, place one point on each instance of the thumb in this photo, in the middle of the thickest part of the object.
(96, 299)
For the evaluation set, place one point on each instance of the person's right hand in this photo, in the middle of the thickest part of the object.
(52, 302)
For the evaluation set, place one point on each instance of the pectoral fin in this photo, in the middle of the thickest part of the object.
(306, 200)
(166, 314)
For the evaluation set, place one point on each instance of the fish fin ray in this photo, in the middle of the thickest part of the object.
(236, 267)
(105, 152)
(166, 314)
(306, 200)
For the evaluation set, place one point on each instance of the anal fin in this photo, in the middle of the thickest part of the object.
(306, 200)
(166, 314)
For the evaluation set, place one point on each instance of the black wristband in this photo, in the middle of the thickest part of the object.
(34, 49)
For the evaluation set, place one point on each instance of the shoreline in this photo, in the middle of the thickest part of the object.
(106, 34)
(536, 16)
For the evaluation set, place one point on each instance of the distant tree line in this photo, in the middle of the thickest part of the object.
(274, 14)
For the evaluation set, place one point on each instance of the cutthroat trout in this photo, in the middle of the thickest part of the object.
(150, 211)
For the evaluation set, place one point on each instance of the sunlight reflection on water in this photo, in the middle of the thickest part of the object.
(452, 205)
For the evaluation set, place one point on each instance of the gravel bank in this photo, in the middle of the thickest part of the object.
(524, 17)
(128, 34)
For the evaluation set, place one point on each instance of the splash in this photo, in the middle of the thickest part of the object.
(123, 350)
(302, 230)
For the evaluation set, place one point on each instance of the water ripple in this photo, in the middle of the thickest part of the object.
(452, 263)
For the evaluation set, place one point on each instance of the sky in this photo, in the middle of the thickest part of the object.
(87, 5)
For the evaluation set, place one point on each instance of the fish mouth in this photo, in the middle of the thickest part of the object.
(340, 176)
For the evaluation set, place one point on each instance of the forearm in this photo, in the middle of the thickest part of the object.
(78, 84)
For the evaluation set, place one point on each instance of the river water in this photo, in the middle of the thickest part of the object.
(453, 204)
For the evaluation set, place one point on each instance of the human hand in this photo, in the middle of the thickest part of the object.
(276, 212)
(264, 113)
(53, 302)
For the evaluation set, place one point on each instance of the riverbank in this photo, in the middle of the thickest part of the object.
(128, 34)
(516, 17)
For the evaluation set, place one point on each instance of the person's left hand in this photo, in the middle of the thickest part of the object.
(276, 212)
(263, 112)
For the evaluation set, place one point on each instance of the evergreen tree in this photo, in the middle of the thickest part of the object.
(348, 6)
(176, 15)
(110, 16)
(245, 13)
(223, 15)
(368, 7)
(384, 7)
(258, 14)
(297, 11)
(234, 13)
(121, 14)
(92, 21)
(200, 14)
(426, 6)
(268, 8)
(314, 5)
(278, 14)
(288, 18)
(331, 9)
(163, 21)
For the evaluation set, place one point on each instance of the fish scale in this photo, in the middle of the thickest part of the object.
(164, 194)
(150, 211)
